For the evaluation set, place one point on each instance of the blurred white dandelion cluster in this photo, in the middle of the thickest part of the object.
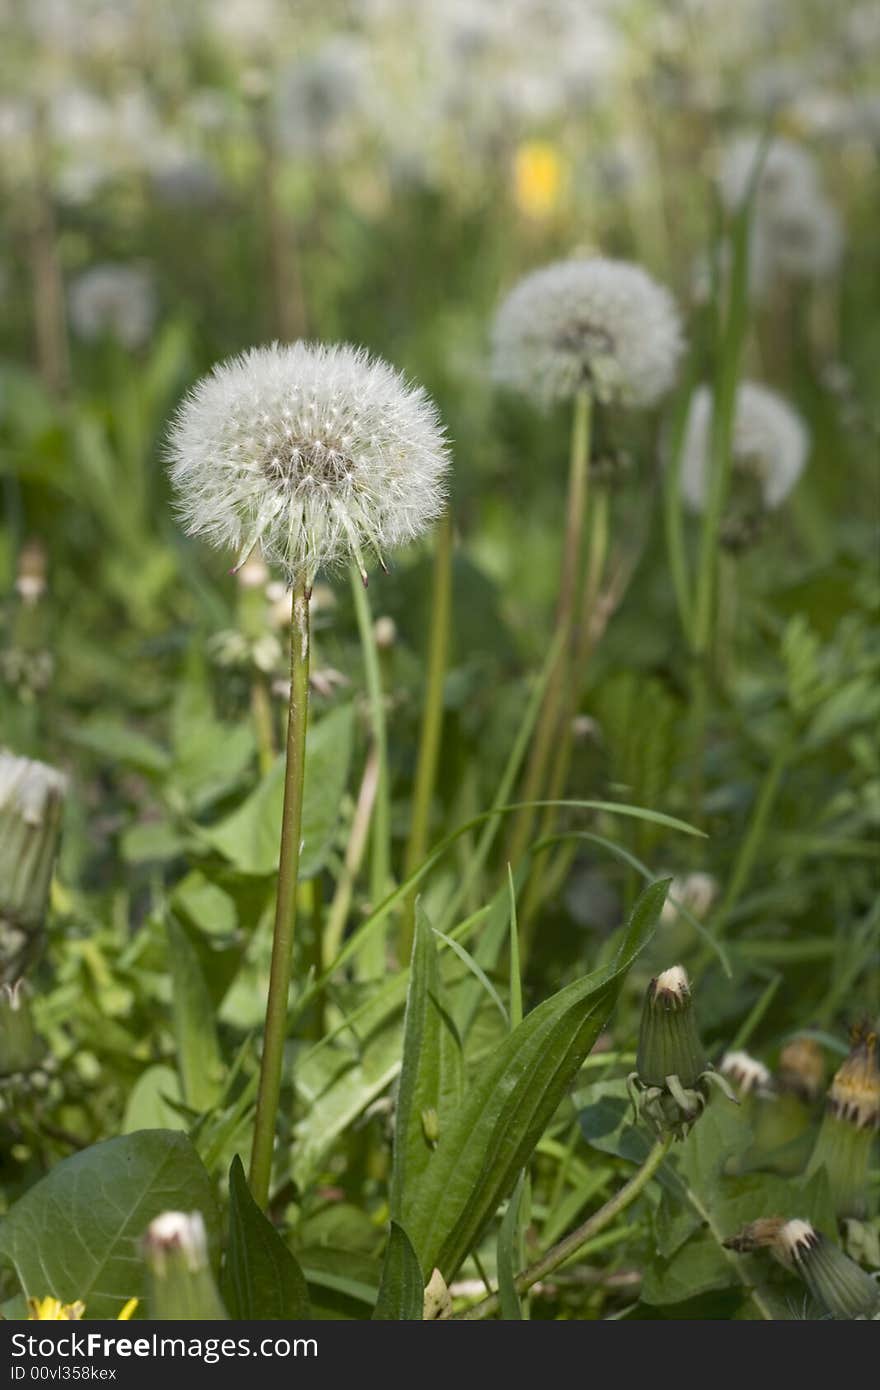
(595, 323)
(315, 453)
(114, 301)
(797, 231)
(770, 444)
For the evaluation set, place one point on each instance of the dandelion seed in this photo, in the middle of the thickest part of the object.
(316, 454)
(598, 324)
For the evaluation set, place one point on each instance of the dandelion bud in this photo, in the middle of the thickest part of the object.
(670, 1083)
(833, 1279)
(21, 1049)
(669, 1044)
(31, 799)
(747, 1073)
(594, 324)
(316, 454)
(181, 1284)
(30, 579)
(852, 1113)
(801, 1068)
(385, 633)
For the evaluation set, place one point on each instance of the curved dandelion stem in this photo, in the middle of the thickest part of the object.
(275, 1030)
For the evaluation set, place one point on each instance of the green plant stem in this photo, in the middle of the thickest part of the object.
(751, 841)
(432, 723)
(261, 713)
(337, 913)
(587, 635)
(275, 1030)
(571, 1244)
(547, 728)
(372, 960)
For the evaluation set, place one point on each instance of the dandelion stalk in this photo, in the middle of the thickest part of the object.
(373, 958)
(337, 913)
(432, 722)
(554, 696)
(573, 1243)
(275, 1030)
(315, 455)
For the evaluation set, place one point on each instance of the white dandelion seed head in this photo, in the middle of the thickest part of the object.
(316, 453)
(595, 323)
(115, 301)
(770, 444)
(805, 241)
(788, 173)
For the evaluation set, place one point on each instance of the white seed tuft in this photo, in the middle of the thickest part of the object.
(770, 443)
(312, 452)
(598, 324)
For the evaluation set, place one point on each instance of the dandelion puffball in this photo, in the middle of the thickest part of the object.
(770, 444)
(597, 324)
(315, 453)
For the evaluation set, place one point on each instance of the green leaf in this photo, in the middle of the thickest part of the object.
(75, 1234)
(509, 1242)
(262, 1278)
(249, 838)
(494, 1132)
(431, 1069)
(114, 743)
(198, 1051)
(209, 907)
(402, 1290)
(148, 1104)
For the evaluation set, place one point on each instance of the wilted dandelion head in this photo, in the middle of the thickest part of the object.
(770, 444)
(597, 324)
(316, 453)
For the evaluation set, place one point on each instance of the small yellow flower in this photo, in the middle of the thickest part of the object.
(540, 173)
(53, 1310)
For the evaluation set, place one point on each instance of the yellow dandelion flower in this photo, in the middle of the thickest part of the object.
(53, 1310)
(540, 173)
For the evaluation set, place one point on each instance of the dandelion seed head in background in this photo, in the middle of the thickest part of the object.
(113, 301)
(770, 444)
(797, 233)
(315, 453)
(598, 324)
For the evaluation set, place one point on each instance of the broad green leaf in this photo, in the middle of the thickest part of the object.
(115, 743)
(501, 1120)
(209, 907)
(198, 1051)
(509, 1243)
(148, 1104)
(429, 1092)
(402, 1290)
(75, 1234)
(249, 837)
(262, 1279)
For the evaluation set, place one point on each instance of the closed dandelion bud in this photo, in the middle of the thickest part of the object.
(21, 1048)
(180, 1282)
(31, 800)
(749, 1076)
(834, 1280)
(669, 1044)
(843, 1147)
(801, 1068)
(670, 1083)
